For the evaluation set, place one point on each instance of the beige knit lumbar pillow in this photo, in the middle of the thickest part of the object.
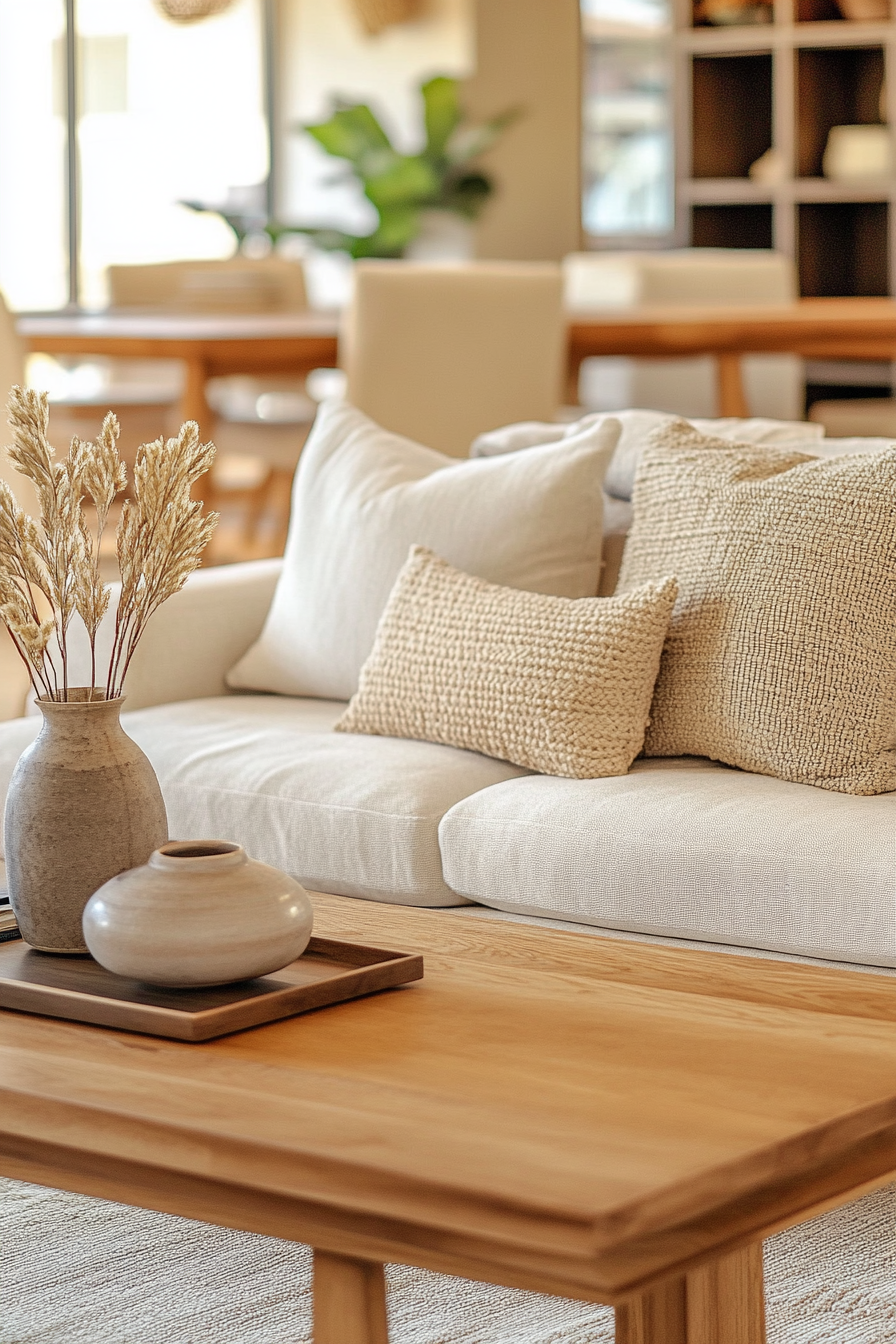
(559, 685)
(781, 655)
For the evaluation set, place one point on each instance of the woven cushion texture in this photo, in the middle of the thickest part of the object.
(363, 495)
(557, 685)
(781, 653)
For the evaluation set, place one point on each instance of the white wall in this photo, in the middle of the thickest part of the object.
(324, 50)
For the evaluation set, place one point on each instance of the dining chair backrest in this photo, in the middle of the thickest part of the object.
(237, 284)
(443, 353)
(708, 277)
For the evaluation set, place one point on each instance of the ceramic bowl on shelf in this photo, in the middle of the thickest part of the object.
(200, 912)
(857, 152)
(865, 11)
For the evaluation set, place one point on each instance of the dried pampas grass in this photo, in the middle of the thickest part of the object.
(49, 570)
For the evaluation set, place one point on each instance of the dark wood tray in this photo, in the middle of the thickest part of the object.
(80, 990)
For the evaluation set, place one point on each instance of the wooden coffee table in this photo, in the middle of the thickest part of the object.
(603, 1120)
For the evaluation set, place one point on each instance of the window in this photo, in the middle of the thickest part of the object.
(627, 141)
(165, 112)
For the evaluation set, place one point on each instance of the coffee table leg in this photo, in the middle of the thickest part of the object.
(720, 1303)
(349, 1301)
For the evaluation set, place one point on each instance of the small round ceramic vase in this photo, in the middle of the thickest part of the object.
(201, 912)
(83, 804)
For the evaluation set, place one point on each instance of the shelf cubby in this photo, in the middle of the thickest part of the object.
(835, 86)
(742, 90)
(731, 225)
(731, 113)
(817, 11)
(843, 248)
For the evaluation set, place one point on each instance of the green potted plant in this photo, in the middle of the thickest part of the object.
(439, 191)
(406, 190)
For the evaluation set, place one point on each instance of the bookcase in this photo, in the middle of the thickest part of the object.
(783, 80)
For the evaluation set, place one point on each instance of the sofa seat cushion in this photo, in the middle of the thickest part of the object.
(690, 849)
(353, 815)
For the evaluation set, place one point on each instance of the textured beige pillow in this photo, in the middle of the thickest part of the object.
(781, 654)
(559, 685)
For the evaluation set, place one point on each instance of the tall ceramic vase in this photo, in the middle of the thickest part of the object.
(83, 805)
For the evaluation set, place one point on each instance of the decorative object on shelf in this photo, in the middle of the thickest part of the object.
(191, 11)
(375, 15)
(731, 13)
(200, 912)
(854, 152)
(865, 11)
(83, 802)
(769, 169)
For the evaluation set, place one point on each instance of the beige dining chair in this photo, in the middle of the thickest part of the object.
(256, 451)
(228, 285)
(443, 353)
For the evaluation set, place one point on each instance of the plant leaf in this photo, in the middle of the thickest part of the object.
(441, 112)
(468, 142)
(398, 225)
(466, 193)
(408, 181)
(353, 133)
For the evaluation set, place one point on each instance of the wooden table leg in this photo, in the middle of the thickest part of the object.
(656, 1317)
(720, 1303)
(573, 371)
(349, 1301)
(732, 397)
(194, 406)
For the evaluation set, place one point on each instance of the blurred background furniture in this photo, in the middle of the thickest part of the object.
(259, 421)
(443, 353)
(689, 278)
(861, 417)
(816, 329)
(234, 285)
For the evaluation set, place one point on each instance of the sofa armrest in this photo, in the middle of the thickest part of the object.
(193, 639)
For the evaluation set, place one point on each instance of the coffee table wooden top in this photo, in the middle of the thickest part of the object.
(552, 1110)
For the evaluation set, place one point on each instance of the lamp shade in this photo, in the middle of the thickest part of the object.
(190, 11)
(376, 15)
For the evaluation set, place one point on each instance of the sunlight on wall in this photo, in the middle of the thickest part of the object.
(168, 112)
(32, 157)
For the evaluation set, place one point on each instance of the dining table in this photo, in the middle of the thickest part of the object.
(219, 344)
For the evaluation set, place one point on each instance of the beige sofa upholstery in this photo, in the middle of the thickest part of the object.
(690, 848)
(686, 849)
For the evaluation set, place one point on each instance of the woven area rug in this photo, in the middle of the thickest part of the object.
(84, 1271)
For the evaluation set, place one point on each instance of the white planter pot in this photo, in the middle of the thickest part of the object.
(444, 236)
(201, 912)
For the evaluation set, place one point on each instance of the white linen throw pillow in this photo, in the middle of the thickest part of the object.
(362, 496)
(637, 426)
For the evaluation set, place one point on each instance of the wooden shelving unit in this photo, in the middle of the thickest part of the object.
(745, 88)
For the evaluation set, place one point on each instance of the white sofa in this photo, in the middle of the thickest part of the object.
(682, 848)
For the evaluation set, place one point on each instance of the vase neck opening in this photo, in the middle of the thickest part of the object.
(202, 856)
(92, 699)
